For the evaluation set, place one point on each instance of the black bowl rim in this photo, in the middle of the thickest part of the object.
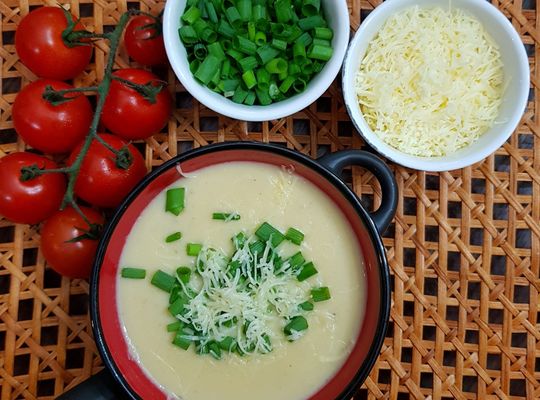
(384, 312)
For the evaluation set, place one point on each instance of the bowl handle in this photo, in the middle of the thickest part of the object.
(100, 386)
(335, 162)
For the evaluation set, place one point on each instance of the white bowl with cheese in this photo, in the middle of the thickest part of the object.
(516, 83)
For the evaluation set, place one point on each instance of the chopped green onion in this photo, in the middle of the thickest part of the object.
(306, 271)
(263, 96)
(266, 53)
(211, 11)
(180, 340)
(244, 45)
(249, 79)
(202, 349)
(239, 240)
(309, 23)
(279, 44)
(262, 25)
(177, 307)
(324, 33)
(174, 202)
(294, 235)
(216, 50)
(226, 216)
(188, 34)
(235, 54)
(133, 273)
(287, 83)
(250, 98)
(225, 29)
(294, 69)
(322, 42)
(299, 85)
(233, 16)
(296, 324)
(251, 30)
(244, 9)
(208, 68)
(163, 281)
(307, 67)
(276, 66)
(228, 87)
(273, 90)
(259, 12)
(208, 35)
(193, 65)
(228, 344)
(173, 237)
(260, 38)
(193, 249)
(305, 38)
(267, 232)
(263, 78)
(214, 350)
(310, 7)
(233, 267)
(226, 68)
(320, 294)
(248, 63)
(175, 326)
(306, 306)
(299, 52)
(239, 95)
(296, 260)
(191, 15)
(318, 52)
(283, 10)
(318, 66)
(184, 274)
(175, 293)
(257, 247)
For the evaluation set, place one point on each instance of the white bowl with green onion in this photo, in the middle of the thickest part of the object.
(286, 66)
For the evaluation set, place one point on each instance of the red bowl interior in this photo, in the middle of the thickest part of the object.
(138, 381)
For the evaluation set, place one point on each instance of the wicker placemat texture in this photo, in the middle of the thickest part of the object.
(464, 250)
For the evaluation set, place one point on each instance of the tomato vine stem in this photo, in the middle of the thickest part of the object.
(102, 90)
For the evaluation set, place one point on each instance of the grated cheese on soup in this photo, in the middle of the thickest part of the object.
(431, 81)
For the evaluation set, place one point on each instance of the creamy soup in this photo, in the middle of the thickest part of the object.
(258, 193)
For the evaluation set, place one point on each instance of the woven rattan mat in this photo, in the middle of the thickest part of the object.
(464, 251)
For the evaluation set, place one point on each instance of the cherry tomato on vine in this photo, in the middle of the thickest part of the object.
(41, 47)
(32, 200)
(144, 41)
(69, 244)
(51, 128)
(105, 178)
(128, 113)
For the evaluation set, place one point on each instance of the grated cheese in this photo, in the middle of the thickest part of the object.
(431, 81)
(222, 299)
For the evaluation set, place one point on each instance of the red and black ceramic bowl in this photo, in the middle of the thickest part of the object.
(124, 377)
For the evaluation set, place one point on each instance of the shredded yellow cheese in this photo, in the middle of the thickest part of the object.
(431, 81)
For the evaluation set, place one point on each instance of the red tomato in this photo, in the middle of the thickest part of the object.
(51, 128)
(128, 114)
(39, 44)
(101, 181)
(144, 43)
(71, 258)
(31, 201)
